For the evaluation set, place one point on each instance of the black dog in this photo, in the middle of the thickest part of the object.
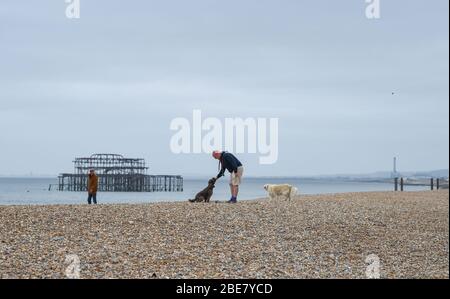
(206, 194)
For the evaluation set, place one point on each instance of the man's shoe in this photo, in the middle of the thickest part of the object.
(233, 200)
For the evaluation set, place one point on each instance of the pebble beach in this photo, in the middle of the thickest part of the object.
(402, 234)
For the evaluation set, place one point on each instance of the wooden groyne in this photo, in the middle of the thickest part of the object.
(433, 183)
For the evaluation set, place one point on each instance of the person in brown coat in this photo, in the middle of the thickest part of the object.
(92, 186)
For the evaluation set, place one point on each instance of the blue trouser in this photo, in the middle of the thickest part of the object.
(92, 196)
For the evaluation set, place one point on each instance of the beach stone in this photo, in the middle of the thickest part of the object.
(314, 236)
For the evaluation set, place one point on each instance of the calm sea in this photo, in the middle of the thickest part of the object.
(19, 191)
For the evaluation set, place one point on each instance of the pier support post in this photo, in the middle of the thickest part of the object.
(401, 184)
(438, 184)
(396, 184)
(432, 184)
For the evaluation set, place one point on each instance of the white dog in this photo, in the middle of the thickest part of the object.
(286, 191)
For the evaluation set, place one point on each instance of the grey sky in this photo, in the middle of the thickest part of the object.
(113, 80)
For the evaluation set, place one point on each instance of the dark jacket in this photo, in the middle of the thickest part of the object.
(229, 162)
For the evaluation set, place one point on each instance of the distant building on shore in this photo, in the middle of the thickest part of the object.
(117, 174)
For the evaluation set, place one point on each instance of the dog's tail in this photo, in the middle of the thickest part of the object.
(293, 193)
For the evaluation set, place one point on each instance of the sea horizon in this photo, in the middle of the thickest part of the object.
(381, 174)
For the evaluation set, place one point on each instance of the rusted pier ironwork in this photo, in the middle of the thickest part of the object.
(118, 174)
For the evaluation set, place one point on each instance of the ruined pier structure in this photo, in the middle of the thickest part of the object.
(117, 174)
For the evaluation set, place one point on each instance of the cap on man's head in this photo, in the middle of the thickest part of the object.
(91, 170)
